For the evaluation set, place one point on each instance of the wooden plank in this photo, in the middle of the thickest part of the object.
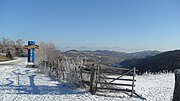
(121, 72)
(87, 72)
(115, 84)
(86, 69)
(131, 74)
(86, 82)
(117, 79)
(125, 74)
(116, 89)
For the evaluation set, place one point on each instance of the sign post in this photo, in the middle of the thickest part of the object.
(31, 52)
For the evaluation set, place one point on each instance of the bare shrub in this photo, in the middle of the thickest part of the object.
(51, 62)
(47, 52)
(73, 70)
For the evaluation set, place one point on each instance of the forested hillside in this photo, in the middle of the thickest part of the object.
(165, 61)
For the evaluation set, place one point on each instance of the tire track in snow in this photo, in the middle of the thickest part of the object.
(10, 83)
(4, 90)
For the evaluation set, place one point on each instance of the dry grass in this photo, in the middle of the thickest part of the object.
(3, 58)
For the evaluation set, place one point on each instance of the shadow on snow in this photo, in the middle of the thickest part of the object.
(57, 89)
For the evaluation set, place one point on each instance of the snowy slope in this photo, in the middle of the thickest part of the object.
(18, 83)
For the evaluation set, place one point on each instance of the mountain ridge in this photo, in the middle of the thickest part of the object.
(109, 57)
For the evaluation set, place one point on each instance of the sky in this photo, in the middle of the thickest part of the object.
(119, 25)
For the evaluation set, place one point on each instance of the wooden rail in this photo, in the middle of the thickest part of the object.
(116, 89)
(112, 79)
(115, 84)
(117, 79)
(98, 80)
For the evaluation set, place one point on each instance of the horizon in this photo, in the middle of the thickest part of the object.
(124, 26)
(117, 50)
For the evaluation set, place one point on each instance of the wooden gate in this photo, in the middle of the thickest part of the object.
(100, 80)
(105, 82)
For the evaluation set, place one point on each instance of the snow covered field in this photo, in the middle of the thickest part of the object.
(18, 83)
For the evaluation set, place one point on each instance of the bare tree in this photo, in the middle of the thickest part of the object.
(47, 52)
(15, 47)
(19, 51)
(7, 45)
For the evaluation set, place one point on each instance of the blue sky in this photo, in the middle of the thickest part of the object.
(121, 25)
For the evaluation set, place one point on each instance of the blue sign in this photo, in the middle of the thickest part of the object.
(31, 51)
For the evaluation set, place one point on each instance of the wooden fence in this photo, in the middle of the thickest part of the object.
(99, 80)
(91, 75)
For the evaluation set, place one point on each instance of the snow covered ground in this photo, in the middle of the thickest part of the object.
(18, 83)
(17, 60)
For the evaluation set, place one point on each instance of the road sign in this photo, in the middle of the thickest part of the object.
(31, 51)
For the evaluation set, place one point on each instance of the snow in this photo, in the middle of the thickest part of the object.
(158, 87)
(17, 60)
(18, 83)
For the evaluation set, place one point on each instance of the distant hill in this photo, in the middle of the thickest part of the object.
(144, 54)
(103, 58)
(141, 54)
(109, 58)
(165, 61)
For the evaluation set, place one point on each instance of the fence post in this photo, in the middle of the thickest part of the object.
(45, 67)
(92, 80)
(134, 73)
(81, 76)
(176, 95)
(96, 77)
(58, 66)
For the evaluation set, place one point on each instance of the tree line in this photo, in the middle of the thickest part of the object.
(9, 46)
